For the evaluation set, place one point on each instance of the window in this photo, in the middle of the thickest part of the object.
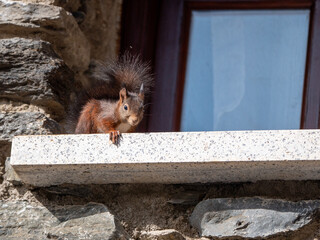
(274, 87)
(245, 70)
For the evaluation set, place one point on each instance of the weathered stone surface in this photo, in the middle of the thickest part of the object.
(101, 25)
(252, 217)
(186, 198)
(71, 190)
(20, 220)
(49, 2)
(7, 106)
(27, 123)
(100, 22)
(167, 234)
(49, 23)
(10, 175)
(32, 72)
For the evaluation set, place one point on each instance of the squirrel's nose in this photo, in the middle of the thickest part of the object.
(134, 120)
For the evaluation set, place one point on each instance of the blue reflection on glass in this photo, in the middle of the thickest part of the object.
(245, 70)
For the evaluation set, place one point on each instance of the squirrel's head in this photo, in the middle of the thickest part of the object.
(131, 106)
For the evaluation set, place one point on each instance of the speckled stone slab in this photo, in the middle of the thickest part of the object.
(187, 157)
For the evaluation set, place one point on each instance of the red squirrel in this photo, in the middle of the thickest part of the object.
(115, 102)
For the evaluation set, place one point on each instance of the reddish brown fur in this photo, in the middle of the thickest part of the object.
(115, 101)
(88, 118)
(91, 122)
(99, 116)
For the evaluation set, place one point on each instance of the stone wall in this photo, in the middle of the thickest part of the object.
(162, 212)
(46, 47)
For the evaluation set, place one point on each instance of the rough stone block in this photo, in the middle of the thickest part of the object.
(50, 23)
(31, 72)
(21, 220)
(255, 218)
(10, 175)
(184, 157)
(102, 26)
(167, 234)
(26, 123)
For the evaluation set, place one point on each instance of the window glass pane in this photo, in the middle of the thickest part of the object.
(245, 70)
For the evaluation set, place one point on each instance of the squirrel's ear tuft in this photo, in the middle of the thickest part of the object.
(123, 94)
(141, 92)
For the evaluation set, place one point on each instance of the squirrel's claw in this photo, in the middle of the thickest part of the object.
(114, 136)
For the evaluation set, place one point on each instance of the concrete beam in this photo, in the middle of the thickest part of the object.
(187, 157)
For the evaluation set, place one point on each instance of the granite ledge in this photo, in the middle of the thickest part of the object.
(177, 157)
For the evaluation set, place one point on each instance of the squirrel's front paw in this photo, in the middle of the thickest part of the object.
(114, 136)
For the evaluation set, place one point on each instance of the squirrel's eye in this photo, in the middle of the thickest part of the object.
(125, 107)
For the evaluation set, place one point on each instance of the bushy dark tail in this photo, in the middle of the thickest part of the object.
(129, 72)
(108, 78)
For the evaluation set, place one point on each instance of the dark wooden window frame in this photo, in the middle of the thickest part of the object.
(138, 35)
(170, 24)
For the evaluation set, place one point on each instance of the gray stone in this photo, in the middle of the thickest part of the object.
(101, 26)
(49, 23)
(26, 123)
(253, 217)
(10, 174)
(21, 220)
(72, 190)
(187, 198)
(30, 71)
(167, 234)
(100, 21)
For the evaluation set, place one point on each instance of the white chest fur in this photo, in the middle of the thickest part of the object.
(123, 127)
